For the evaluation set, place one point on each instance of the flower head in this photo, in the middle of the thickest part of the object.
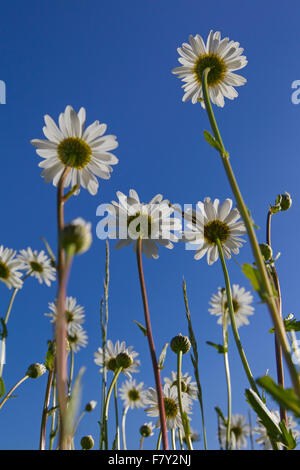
(214, 222)
(241, 300)
(222, 56)
(132, 394)
(152, 222)
(73, 313)
(9, 268)
(36, 370)
(146, 430)
(239, 431)
(187, 386)
(108, 359)
(38, 265)
(263, 438)
(77, 339)
(85, 151)
(76, 234)
(172, 411)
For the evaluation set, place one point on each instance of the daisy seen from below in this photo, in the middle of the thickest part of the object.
(74, 314)
(222, 56)
(172, 411)
(38, 264)
(239, 432)
(187, 386)
(151, 222)
(85, 151)
(241, 300)
(114, 352)
(263, 438)
(10, 268)
(77, 339)
(214, 221)
(133, 394)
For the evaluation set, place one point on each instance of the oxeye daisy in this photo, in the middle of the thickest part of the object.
(151, 222)
(85, 151)
(38, 265)
(187, 386)
(214, 222)
(10, 267)
(146, 430)
(74, 314)
(113, 353)
(222, 56)
(239, 432)
(77, 339)
(241, 300)
(133, 394)
(263, 438)
(172, 411)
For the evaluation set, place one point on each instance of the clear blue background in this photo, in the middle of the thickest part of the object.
(115, 59)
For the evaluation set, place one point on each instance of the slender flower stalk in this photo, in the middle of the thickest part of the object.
(117, 417)
(71, 372)
(232, 319)
(278, 349)
(123, 428)
(54, 424)
(45, 410)
(173, 439)
(183, 415)
(7, 396)
(156, 370)
(265, 282)
(159, 440)
(141, 443)
(114, 380)
(228, 381)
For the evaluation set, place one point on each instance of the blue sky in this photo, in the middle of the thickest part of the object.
(115, 59)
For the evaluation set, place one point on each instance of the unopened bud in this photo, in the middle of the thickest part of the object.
(35, 370)
(266, 251)
(87, 442)
(76, 235)
(180, 343)
(146, 430)
(91, 406)
(286, 202)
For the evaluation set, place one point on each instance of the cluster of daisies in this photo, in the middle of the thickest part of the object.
(15, 267)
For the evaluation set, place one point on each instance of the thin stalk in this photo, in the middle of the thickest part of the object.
(71, 373)
(78, 421)
(53, 429)
(114, 380)
(278, 349)
(232, 319)
(117, 417)
(180, 438)
(251, 431)
(183, 415)
(45, 410)
(173, 439)
(228, 381)
(141, 443)
(159, 440)
(265, 282)
(123, 428)
(160, 398)
(12, 390)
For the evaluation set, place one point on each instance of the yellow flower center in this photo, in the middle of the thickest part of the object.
(139, 225)
(217, 66)
(69, 316)
(4, 271)
(235, 304)
(133, 395)
(216, 229)
(74, 152)
(171, 408)
(37, 267)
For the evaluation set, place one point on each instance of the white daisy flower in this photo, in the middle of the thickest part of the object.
(9, 268)
(223, 57)
(211, 222)
(152, 222)
(74, 314)
(187, 386)
(85, 151)
(38, 265)
(263, 438)
(78, 339)
(146, 430)
(172, 411)
(239, 432)
(132, 394)
(112, 353)
(241, 300)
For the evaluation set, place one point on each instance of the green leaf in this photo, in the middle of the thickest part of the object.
(253, 275)
(212, 141)
(220, 414)
(220, 348)
(50, 252)
(289, 324)
(290, 441)
(162, 356)
(286, 397)
(2, 387)
(141, 327)
(50, 357)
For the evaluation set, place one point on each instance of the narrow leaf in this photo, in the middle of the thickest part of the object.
(162, 356)
(286, 397)
(141, 327)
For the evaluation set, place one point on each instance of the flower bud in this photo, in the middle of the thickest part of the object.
(35, 370)
(76, 235)
(123, 360)
(286, 202)
(266, 251)
(87, 442)
(146, 430)
(180, 343)
(90, 406)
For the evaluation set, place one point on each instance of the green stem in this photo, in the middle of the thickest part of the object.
(183, 415)
(123, 427)
(71, 373)
(180, 438)
(227, 372)
(117, 417)
(141, 443)
(12, 390)
(173, 439)
(53, 429)
(114, 380)
(232, 319)
(45, 410)
(267, 291)
(158, 440)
